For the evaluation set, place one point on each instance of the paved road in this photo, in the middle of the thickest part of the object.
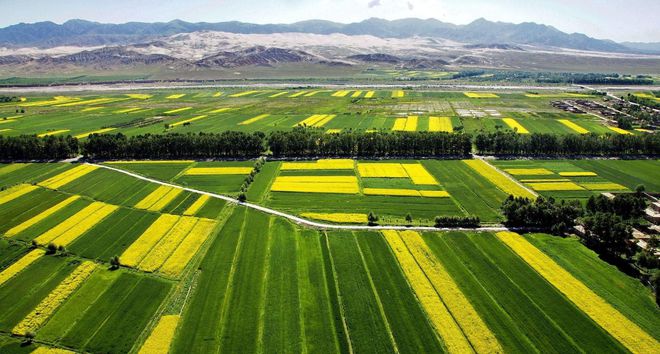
(296, 219)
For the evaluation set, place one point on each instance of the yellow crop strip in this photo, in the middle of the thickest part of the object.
(316, 184)
(391, 192)
(160, 339)
(85, 225)
(126, 110)
(190, 120)
(4, 130)
(399, 124)
(382, 170)
(369, 94)
(514, 125)
(341, 93)
(480, 95)
(529, 171)
(5, 121)
(54, 132)
(218, 94)
(473, 327)
(139, 96)
(555, 186)
(279, 94)
(411, 123)
(220, 110)
(612, 321)
(434, 194)
(356, 94)
(254, 119)
(326, 119)
(573, 126)
(165, 200)
(148, 162)
(15, 192)
(91, 109)
(159, 198)
(202, 171)
(47, 350)
(578, 174)
(498, 179)
(164, 248)
(323, 164)
(91, 102)
(20, 264)
(606, 186)
(333, 131)
(419, 174)
(644, 130)
(313, 93)
(620, 131)
(178, 261)
(440, 124)
(245, 93)
(100, 131)
(67, 177)
(298, 94)
(42, 216)
(311, 120)
(149, 238)
(35, 319)
(178, 110)
(175, 96)
(337, 217)
(398, 94)
(197, 205)
(437, 312)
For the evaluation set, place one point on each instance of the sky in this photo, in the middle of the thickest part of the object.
(619, 20)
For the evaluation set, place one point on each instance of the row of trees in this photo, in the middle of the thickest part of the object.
(31, 147)
(510, 143)
(306, 142)
(229, 144)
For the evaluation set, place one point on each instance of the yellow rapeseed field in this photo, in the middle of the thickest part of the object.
(313, 93)
(644, 130)
(143, 162)
(149, 238)
(219, 110)
(178, 261)
(197, 205)
(47, 350)
(125, 110)
(399, 124)
(325, 120)
(541, 180)
(529, 171)
(53, 132)
(391, 192)
(20, 264)
(90, 109)
(100, 131)
(159, 198)
(480, 95)
(398, 94)
(440, 317)
(55, 100)
(164, 248)
(411, 123)
(603, 186)
(498, 179)
(419, 175)
(333, 131)
(578, 174)
(35, 319)
(616, 324)
(434, 194)
(369, 94)
(42, 216)
(356, 94)
(161, 337)
(175, 96)
(513, 124)
(298, 94)
(574, 126)
(14, 192)
(316, 120)
(244, 93)
(67, 177)
(341, 93)
(178, 110)
(139, 96)
(440, 124)
(555, 186)
(322, 164)
(189, 120)
(337, 217)
(218, 94)
(476, 331)
(70, 229)
(91, 102)
(382, 170)
(316, 184)
(620, 131)
(279, 94)
(196, 171)
(254, 119)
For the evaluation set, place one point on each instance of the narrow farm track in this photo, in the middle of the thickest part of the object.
(299, 220)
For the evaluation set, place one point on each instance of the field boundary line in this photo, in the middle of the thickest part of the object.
(296, 219)
(507, 175)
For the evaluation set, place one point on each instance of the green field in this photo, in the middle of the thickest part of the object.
(281, 109)
(260, 283)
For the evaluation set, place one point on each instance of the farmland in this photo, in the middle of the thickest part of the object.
(198, 274)
(283, 109)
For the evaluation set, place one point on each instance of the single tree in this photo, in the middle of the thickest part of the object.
(242, 197)
(51, 248)
(372, 219)
(114, 262)
(409, 219)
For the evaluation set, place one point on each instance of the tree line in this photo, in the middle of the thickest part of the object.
(309, 143)
(536, 144)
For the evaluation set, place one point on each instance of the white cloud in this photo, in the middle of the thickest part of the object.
(374, 3)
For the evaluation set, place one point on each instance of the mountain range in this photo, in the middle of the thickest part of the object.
(481, 31)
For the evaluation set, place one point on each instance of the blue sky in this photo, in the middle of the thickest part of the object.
(620, 20)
